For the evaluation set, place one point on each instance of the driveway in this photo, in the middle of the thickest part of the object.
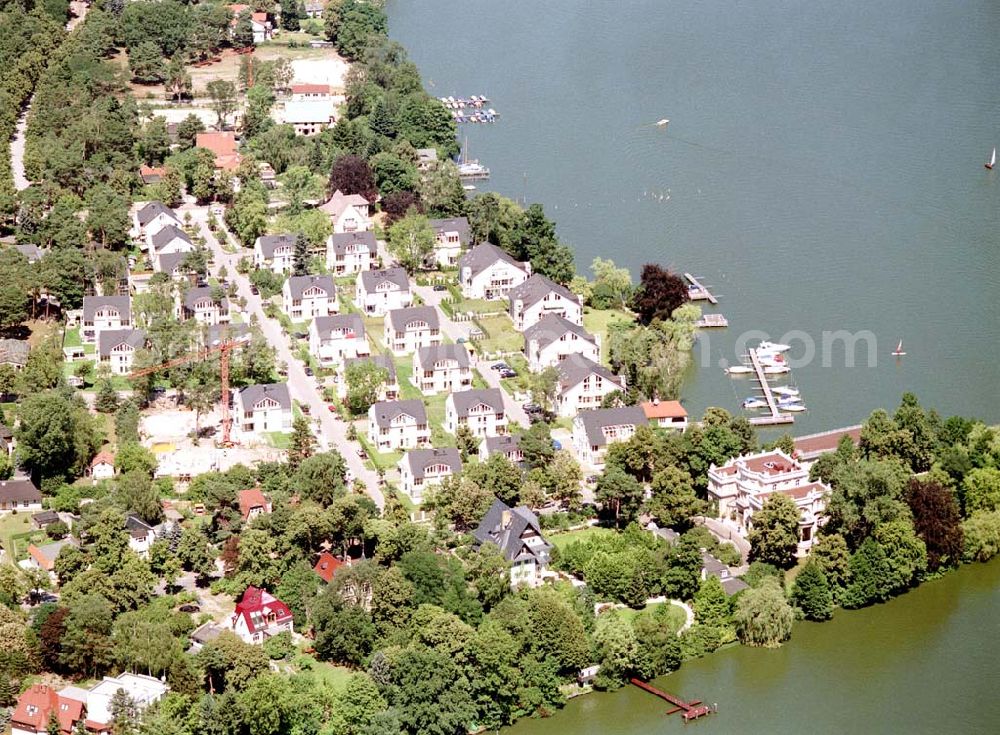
(333, 431)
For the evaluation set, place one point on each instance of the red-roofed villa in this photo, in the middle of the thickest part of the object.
(327, 565)
(36, 705)
(260, 615)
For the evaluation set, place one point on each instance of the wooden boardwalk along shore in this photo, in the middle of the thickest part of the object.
(699, 292)
(776, 417)
(692, 710)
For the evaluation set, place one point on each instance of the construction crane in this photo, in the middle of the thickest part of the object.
(222, 349)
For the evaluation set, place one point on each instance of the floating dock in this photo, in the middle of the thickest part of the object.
(777, 417)
(692, 710)
(698, 292)
(710, 321)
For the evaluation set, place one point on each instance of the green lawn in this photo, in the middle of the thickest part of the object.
(478, 306)
(597, 322)
(11, 525)
(334, 677)
(502, 336)
(435, 417)
(375, 329)
(562, 540)
(72, 338)
(675, 615)
(386, 460)
(278, 439)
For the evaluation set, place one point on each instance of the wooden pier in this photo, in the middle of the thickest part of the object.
(777, 417)
(709, 321)
(692, 710)
(698, 292)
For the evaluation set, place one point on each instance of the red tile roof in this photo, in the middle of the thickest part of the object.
(257, 606)
(310, 89)
(770, 464)
(223, 145)
(103, 457)
(664, 410)
(35, 705)
(250, 499)
(327, 565)
(827, 441)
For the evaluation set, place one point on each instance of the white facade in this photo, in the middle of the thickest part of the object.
(402, 429)
(348, 212)
(275, 253)
(585, 394)
(407, 330)
(263, 408)
(548, 350)
(595, 430)
(379, 292)
(206, 310)
(349, 253)
(316, 299)
(423, 469)
(494, 281)
(101, 313)
(526, 313)
(439, 370)
(334, 339)
(144, 691)
(482, 411)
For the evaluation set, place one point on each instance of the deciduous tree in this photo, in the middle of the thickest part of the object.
(763, 617)
(774, 537)
(659, 293)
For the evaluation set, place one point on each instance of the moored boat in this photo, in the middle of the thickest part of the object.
(739, 370)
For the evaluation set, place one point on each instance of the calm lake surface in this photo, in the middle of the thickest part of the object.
(822, 169)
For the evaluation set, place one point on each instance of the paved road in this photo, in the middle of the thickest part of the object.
(333, 431)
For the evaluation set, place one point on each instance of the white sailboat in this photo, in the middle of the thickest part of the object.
(993, 160)
(899, 352)
(739, 370)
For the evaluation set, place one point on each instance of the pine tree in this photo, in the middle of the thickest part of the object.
(107, 397)
(303, 443)
(811, 593)
(870, 576)
(300, 262)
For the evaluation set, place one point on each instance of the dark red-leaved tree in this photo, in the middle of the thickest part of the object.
(397, 204)
(352, 175)
(230, 553)
(660, 291)
(936, 521)
(50, 635)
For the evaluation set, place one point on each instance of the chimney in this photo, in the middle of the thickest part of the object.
(505, 518)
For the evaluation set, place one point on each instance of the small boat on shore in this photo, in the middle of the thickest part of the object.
(899, 352)
(739, 370)
(993, 160)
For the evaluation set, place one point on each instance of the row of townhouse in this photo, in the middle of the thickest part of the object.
(596, 429)
(347, 253)
(309, 297)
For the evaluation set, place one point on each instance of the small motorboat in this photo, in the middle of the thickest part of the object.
(754, 402)
(776, 369)
(791, 407)
(785, 390)
(766, 346)
(739, 370)
(663, 123)
(993, 160)
(469, 187)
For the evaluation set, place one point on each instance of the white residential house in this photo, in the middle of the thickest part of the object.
(583, 384)
(666, 414)
(117, 347)
(509, 445)
(487, 272)
(262, 408)
(141, 535)
(334, 339)
(310, 91)
(351, 252)
(348, 212)
(308, 297)
(150, 217)
(451, 237)
(407, 330)
(102, 313)
(518, 534)
(309, 115)
(396, 425)
(200, 303)
(19, 495)
(102, 467)
(142, 690)
(173, 264)
(262, 29)
(421, 469)
(259, 615)
(538, 297)
(742, 486)
(274, 252)
(553, 339)
(389, 391)
(480, 409)
(443, 368)
(168, 239)
(379, 292)
(595, 430)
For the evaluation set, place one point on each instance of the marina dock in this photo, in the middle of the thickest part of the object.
(692, 710)
(698, 292)
(710, 321)
(777, 417)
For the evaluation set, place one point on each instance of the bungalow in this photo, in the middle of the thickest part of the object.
(481, 410)
(351, 252)
(553, 339)
(509, 445)
(14, 352)
(102, 467)
(348, 212)
(518, 535)
(426, 157)
(141, 535)
(222, 144)
(44, 519)
(742, 486)
(142, 690)
(594, 430)
(310, 91)
(334, 339)
(261, 26)
(260, 615)
(44, 556)
(308, 297)
(487, 272)
(274, 252)
(442, 368)
(151, 175)
(32, 252)
(407, 330)
(327, 566)
(396, 425)
(204, 306)
(420, 469)
(19, 495)
(102, 313)
(666, 414)
(168, 239)
(379, 292)
(538, 297)
(252, 503)
(314, 9)
(263, 408)
(712, 567)
(389, 391)
(148, 218)
(451, 237)
(38, 704)
(583, 384)
(309, 116)
(117, 347)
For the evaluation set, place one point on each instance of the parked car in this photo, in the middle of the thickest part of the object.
(362, 453)
(440, 287)
(306, 409)
(531, 408)
(254, 290)
(189, 608)
(500, 366)
(331, 408)
(508, 373)
(309, 371)
(300, 335)
(460, 340)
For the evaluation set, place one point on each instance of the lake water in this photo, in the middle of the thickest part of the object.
(822, 169)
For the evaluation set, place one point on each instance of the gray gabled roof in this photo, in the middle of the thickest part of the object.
(418, 460)
(378, 360)
(551, 327)
(386, 411)
(269, 242)
(466, 400)
(194, 295)
(427, 356)
(575, 368)
(14, 351)
(326, 324)
(254, 394)
(596, 419)
(168, 233)
(153, 210)
(297, 285)
(169, 261)
(92, 303)
(32, 252)
(371, 279)
(459, 225)
(502, 444)
(505, 527)
(339, 202)
(215, 333)
(111, 338)
(400, 319)
(19, 490)
(484, 255)
(536, 288)
(340, 240)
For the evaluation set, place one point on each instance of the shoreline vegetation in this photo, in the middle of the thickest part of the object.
(421, 633)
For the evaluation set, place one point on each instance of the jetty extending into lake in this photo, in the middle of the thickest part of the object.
(698, 292)
(777, 417)
(692, 710)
